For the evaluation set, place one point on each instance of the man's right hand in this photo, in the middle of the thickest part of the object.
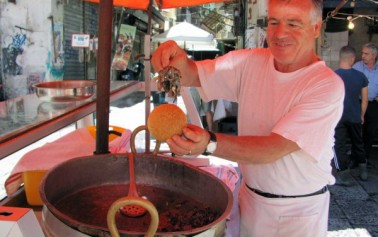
(170, 54)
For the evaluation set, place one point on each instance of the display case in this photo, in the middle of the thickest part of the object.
(26, 119)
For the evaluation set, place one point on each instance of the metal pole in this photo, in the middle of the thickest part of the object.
(103, 76)
(147, 72)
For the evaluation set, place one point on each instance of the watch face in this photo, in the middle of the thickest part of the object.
(211, 147)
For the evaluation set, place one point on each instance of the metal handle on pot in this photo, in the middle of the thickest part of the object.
(125, 201)
(132, 140)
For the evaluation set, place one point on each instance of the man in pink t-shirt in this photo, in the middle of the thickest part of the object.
(289, 103)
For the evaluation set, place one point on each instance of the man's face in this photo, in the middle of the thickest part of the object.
(367, 56)
(291, 33)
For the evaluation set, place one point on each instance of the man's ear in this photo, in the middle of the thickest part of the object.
(352, 59)
(317, 28)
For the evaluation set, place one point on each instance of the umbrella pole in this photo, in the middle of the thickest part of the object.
(103, 77)
(147, 72)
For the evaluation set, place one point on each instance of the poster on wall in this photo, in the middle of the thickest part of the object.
(80, 40)
(124, 47)
(250, 38)
(261, 37)
(251, 13)
(58, 45)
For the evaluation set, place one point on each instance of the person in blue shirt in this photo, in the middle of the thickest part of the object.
(350, 124)
(368, 66)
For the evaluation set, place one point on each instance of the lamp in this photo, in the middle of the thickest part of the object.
(353, 3)
(351, 19)
(372, 19)
(350, 24)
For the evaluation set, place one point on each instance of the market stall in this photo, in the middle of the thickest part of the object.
(102, 142)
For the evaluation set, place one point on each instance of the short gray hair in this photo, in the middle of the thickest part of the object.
(371, 46)
(316, 12)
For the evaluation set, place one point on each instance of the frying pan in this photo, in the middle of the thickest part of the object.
(80, 191)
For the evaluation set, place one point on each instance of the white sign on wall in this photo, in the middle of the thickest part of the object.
(80, 40)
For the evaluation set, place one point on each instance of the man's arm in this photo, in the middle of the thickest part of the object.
(254, 149)
(243, 149)
(364, 102)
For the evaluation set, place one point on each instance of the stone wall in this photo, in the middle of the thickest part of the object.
(26, 36)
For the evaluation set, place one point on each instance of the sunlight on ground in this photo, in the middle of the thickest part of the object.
(349, 233)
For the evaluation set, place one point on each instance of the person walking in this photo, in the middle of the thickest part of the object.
(203, 108)
(289, 103)
(350, 124)
(368, 66)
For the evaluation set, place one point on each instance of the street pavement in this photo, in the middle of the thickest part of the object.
(354, 210)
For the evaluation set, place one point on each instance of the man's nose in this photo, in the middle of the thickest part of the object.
(280, 31)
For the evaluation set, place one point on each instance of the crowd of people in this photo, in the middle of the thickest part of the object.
(359, 122)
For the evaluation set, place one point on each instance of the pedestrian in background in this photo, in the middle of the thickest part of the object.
(350, 124)
(204, 109)
(368, 66)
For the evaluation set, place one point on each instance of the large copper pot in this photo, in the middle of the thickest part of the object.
(80, 191)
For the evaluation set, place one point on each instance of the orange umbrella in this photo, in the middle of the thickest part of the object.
(162, 4)
(103, 62)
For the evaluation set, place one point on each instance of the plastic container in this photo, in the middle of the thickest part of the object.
(32, 179)
(114, 131)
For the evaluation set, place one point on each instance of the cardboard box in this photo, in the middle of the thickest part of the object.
(19, 222)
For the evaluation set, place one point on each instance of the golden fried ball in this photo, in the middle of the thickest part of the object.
(165, 121)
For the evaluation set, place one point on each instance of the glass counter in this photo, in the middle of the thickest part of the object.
(26, 119)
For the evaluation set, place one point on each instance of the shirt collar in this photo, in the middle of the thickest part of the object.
(367, 68)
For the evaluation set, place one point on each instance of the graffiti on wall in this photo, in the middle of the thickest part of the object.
(32, 79)
(14, 45)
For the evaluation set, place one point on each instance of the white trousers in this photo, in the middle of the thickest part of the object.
(283, 217)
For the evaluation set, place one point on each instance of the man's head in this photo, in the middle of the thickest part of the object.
(369, 54)
(347, 56)
(293, 26)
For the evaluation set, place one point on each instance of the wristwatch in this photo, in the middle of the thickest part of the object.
(212, 145)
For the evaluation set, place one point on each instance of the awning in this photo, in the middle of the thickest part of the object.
(189, 36)
(162, 4)
(184, 31)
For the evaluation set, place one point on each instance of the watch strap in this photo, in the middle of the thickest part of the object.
(213, 138)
